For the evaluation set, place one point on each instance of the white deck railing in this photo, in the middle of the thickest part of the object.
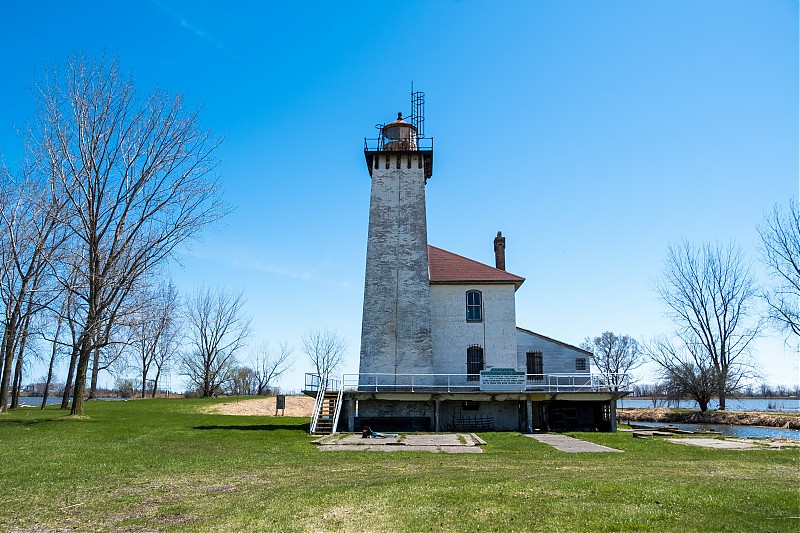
(317, 406)
(320, 386)
(377, 382)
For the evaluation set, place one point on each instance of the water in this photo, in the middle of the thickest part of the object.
(731, 404)
(37, 400)
(51, 400)
(742, 432)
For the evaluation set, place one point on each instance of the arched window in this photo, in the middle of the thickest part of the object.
(474, 362)
(474, 306)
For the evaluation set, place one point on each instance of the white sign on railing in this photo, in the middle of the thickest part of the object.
(502, 379)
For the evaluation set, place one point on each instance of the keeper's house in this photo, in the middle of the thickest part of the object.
(440, 347)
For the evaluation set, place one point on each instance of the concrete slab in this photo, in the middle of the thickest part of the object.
(445, 439)
(357, 440)
(432, 449)
(435, 443)
(571, 444)
(718, 444)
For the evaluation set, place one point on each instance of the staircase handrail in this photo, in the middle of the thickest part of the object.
(323, 385)
(338, 410)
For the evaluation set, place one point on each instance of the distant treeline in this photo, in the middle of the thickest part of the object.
(762, 390)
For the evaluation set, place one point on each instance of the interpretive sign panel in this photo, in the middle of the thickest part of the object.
(502, 379)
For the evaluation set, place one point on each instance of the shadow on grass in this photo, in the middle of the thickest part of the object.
(66, 417)
(260, 427)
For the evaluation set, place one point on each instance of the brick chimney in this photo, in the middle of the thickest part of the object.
(500, 251)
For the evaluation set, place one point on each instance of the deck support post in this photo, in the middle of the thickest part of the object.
(351, 414)
(436, 426)
(613, 415)
(529, 413)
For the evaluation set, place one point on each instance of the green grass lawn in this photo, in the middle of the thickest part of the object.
(151, 465)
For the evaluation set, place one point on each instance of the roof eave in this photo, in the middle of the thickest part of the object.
(515, 283)
(549, 339)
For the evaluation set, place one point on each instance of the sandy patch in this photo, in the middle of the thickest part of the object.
(295, 406)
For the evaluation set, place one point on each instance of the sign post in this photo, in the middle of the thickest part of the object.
(280, 403)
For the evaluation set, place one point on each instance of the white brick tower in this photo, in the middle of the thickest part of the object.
(396, 324)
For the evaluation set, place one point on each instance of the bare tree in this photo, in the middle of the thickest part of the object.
(325, 350)
(111, 357)
(269, 365)
(31, 233)
(153, 331)
(109, 354)
(614, 356)
(72, 316)
(217, 329)
(242, 382)
(137, 178)
(708, 291)
(780, 251)
(166, 350)
(54, 351)
(685, 370)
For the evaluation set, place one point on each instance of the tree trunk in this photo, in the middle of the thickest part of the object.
(46, 392)
(8, 360)
(95, 372)
(18, 370)
(53, 353)
(80, 378)
(17, 381)
(73, 360)
(155, 382)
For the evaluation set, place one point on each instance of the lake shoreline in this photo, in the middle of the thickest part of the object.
(731, 418)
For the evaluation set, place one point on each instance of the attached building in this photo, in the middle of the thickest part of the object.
(440, 347)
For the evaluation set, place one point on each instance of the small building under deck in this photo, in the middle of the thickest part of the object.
(558, 402)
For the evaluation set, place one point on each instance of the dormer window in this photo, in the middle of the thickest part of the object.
(474, 306)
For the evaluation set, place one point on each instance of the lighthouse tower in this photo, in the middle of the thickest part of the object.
(396, 324)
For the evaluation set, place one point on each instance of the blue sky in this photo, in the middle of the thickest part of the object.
(592, 134)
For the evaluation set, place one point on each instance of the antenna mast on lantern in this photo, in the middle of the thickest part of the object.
(417, 117)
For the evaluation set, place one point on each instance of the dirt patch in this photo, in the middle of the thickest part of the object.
(731, 418)
(295, 406)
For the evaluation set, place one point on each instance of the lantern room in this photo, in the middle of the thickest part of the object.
(399, 135)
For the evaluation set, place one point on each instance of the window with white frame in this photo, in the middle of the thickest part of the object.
(474, 306)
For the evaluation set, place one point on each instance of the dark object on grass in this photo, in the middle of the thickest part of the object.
(367, 433)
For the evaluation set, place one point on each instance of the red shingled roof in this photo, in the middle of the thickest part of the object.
(447, 267)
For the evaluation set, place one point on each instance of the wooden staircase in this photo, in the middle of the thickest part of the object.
(327, 414)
